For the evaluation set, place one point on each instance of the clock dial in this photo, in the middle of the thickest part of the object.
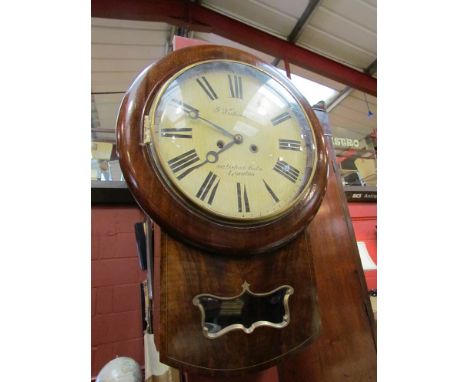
(232, 141)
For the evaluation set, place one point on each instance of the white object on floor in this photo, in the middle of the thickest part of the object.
(153, 365)
(367, 262)
(120, 369)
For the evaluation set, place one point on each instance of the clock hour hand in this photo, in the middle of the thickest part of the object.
(211, 156)
(195, 114)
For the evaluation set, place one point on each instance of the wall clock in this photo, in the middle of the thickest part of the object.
(222, 152)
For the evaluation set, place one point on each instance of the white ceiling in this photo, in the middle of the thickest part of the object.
(343, 30)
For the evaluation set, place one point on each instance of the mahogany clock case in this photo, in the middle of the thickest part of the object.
(178, 216)
(184, 272)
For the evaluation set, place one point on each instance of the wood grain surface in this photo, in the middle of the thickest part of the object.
(346, 349)
(187, 272)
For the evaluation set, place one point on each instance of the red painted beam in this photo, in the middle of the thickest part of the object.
(175, 12)
(179, 12)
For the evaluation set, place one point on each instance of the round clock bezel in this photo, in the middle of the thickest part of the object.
(152, 106)
(186, 220)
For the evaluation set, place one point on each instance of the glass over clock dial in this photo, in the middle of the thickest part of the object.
(231, 141)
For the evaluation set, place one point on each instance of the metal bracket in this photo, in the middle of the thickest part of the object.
(146, 130)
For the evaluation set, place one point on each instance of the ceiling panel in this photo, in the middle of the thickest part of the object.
(351, 116)
(360, 95)
(262, 15)
(345, 124)
(335, 48)
(345, 29)
(372, 3)
(354, 116)
(358, 105)
(357, 11)
(292, 8)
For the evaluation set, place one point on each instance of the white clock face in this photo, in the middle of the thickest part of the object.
(232, 140)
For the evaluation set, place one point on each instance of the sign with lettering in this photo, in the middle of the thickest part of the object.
(361, 196)
(345, 143)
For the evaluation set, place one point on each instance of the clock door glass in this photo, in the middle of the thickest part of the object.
(232, 140)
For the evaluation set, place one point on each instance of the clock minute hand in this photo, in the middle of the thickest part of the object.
(217, 127)
(195, 114)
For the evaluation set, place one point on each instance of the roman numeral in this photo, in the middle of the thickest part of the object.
(205, 85)
(242, 199)
(235, 86)
(206, 187)
(280, 118)
(289, 144)
(273, 195)
(177, 133)
(288, 171)
(183, 161)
